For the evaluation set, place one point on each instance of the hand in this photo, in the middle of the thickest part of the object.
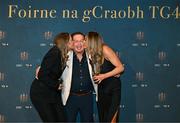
(60, 87)
(117, 76)
(37, 71)
(98, 78)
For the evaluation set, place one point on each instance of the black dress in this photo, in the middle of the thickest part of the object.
(44, 92)
(109, 95)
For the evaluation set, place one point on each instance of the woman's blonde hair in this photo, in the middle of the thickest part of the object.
(61, 40)
(95, 48)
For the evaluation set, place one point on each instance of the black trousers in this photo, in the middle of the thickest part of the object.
(47, 102)
(82, 105)
(50, 112)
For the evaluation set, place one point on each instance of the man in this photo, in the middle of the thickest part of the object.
(78, 85)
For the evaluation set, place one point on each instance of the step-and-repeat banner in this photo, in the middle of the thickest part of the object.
(144, 34)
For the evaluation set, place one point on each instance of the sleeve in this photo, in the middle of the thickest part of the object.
(50, 68)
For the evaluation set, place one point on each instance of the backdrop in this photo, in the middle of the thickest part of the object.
(147, 41)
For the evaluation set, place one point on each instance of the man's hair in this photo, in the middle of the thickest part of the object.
(77, 33)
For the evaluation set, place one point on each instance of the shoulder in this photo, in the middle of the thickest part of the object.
(54, 51)
(106, 49)
(108, 52)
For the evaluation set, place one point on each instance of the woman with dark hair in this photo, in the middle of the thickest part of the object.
(106, 66)
(45, 92)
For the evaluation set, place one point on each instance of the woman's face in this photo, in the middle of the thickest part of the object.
(70, 43)
(86, 42)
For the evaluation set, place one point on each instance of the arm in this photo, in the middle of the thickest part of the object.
(50, 68)
(110, 55)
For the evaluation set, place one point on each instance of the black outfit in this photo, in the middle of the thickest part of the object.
(44, 92)
(109, 94)
(81, 97)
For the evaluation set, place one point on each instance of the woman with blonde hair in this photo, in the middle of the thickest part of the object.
(45, 90)
(106, 67)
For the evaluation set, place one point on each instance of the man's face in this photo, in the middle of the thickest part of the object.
(78, 42)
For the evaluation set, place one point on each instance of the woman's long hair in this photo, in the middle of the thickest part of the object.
(61, 40)
(95, 48)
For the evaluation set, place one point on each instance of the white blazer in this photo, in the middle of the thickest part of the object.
(67, 77)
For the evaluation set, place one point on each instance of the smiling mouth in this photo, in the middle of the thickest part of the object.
(79, 47)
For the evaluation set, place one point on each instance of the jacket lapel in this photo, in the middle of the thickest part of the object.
(91, 76)
(67, 78)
